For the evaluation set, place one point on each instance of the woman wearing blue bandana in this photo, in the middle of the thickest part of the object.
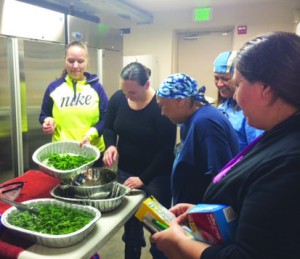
(223, 72)
(208, 140)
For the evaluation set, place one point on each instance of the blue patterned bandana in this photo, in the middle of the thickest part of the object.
(181, 86)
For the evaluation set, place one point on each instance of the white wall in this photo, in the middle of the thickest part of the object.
(159, 39)
(150, 62)
(151, 40)
(196, 58)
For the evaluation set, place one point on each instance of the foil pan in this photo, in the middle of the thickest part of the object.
(111, 202)
(48, 239)
(63, 147)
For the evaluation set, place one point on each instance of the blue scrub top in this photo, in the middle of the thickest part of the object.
(245, 133)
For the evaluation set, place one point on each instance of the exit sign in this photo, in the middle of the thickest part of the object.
(202, 14)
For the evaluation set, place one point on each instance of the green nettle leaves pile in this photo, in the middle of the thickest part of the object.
(51, 219)
(67, 161)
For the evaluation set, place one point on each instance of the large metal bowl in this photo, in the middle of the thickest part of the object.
(48, 239)
(110, 203)
(64, 147)
(95, 183)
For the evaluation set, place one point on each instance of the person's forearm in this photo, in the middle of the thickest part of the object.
(191, 249)
(110, 137)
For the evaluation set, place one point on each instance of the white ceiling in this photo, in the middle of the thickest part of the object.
(154, 6)
(107, 9)
(120, 12)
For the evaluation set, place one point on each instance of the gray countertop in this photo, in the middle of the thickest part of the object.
(106, 227)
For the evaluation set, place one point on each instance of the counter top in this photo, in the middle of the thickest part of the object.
(106, 227)
(38, 185)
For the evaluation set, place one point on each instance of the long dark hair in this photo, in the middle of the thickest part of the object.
(273, 59)
(221, 99)
(136, 71)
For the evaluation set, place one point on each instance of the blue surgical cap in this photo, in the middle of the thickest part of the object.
(224, 63)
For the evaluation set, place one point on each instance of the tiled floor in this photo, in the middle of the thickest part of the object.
(114, 248)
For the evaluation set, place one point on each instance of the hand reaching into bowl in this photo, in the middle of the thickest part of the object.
(133, 183)
(85, 141)
(110, 156)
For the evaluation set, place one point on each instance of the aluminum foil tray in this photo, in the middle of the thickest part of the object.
(53, 240)
(62, 147)
(113, 201)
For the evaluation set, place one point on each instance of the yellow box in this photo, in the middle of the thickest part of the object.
(156, 210)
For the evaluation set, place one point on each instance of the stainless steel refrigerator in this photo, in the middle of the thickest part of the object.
(31, 56)
(105, 46)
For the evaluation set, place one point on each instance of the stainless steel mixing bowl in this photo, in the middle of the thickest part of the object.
(95, 183)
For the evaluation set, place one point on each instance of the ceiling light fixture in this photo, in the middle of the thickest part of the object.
(124, 9)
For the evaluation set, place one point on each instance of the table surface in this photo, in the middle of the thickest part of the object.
(105, 228)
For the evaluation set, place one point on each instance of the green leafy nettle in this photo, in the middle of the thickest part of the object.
(67, 161)
(51, 219)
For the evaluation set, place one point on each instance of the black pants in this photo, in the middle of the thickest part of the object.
(160, 188)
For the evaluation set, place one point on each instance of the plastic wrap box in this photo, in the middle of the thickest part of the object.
(212, 223)
(152, 212)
